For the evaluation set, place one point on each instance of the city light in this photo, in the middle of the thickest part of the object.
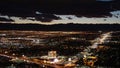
(72, 49)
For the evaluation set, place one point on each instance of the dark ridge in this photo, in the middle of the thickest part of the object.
(61, 27)
(5, 19)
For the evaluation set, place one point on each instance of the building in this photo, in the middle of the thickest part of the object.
(52, 54)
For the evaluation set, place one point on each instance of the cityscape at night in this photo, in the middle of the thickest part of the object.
(59, 49)
(59, 33)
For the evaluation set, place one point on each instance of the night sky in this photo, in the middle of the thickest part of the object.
(58, 11)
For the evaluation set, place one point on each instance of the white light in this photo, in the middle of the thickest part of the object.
(95, 45)
(13, 54)
(22, 55)
(56, 60)
(84, 56)
(69, 59)
(6, 52)
(38, 12)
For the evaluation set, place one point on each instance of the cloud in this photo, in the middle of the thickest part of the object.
(6, 20)
(45, 17)
(49, 19)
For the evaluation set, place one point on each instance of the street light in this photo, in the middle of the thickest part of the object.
(13, 54)
(6, 52)
(55, 60)
(23, 55)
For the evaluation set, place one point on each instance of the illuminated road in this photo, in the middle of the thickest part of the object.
(6, 56)
(33, 60)
(101, 39)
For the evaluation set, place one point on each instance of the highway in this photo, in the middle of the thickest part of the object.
(33, 60)
(101, 39)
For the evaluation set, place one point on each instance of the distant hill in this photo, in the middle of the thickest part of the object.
(61, 27)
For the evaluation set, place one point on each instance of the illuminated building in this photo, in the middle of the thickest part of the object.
(52, 54)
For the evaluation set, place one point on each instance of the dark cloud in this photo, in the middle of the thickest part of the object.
(46, 17)
(26, 8)
(70, 18)
(6, 20)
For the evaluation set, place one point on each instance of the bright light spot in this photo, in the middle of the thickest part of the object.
(84, 56)
(38, 12)
(6, 52)
(69, 59)
(13, 54)
(95, 45)
(56, 60)
(23, 55)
